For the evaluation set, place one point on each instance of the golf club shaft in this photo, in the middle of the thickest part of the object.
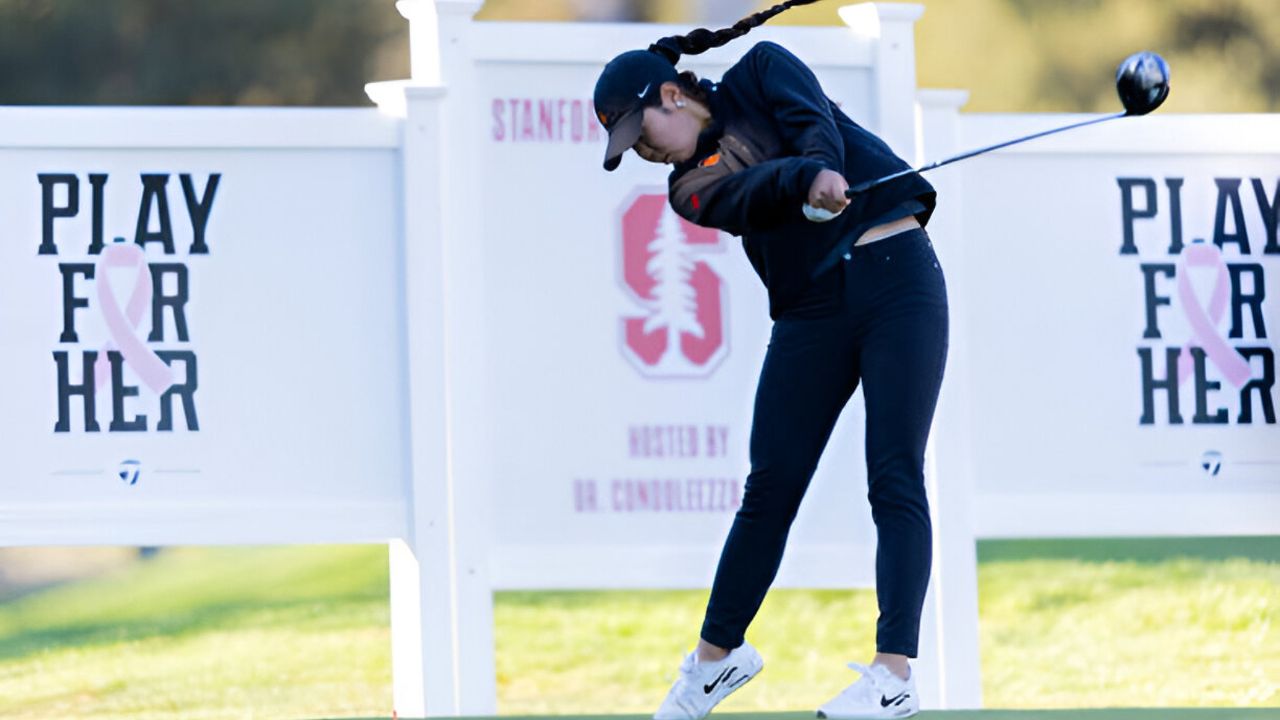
(865, 186)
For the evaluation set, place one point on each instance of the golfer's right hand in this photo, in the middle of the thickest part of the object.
(827, 191)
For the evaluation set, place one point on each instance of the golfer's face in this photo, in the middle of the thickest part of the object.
(667, 136)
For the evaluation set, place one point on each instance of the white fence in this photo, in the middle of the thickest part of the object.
(426, 326)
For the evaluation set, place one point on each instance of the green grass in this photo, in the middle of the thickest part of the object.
(1196, 626)
(281, 632)
(303, 632)
(1092, 623)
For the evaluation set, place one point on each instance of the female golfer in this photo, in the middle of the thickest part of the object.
(858, 297)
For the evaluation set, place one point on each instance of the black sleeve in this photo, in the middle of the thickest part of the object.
(799, 105)
(738, 200)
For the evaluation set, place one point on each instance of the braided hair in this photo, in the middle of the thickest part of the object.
(701, 40)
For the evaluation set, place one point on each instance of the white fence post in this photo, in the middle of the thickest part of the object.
(464, 204)
(894, 92)
(424, 599)
(951, 617)
(441, 597)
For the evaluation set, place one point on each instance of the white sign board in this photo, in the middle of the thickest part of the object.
(200, 337)
(1123, 308)
(623, 345)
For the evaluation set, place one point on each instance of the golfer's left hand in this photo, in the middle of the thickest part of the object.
(827, 191)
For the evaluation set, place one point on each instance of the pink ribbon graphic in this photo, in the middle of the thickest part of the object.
(153, 371)
(1204, 324)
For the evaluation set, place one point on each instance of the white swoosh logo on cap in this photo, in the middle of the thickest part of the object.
(644, 91)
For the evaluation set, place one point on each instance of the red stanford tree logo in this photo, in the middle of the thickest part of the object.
(679, 330)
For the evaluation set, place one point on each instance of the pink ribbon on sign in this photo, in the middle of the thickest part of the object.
(1204, 324)
(153, 371)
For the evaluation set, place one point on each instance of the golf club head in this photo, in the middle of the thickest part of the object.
(1142, 81)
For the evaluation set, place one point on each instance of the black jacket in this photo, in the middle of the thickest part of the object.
(773, 130)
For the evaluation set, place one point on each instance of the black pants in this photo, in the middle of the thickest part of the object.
(889, 332)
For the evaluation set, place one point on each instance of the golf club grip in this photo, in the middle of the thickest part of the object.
(877, 182)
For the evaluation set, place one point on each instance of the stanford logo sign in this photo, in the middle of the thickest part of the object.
(678, 326)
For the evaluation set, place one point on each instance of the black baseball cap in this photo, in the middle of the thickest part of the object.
(627, 85)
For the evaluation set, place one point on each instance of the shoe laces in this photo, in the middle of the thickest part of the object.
(868, 687)
(687, 665)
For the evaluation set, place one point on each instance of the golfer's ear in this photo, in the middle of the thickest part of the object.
(669, 92)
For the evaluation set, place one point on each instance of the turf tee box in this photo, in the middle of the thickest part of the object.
(201, 340)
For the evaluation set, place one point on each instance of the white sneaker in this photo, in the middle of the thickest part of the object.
(702, 685)
(877, 694)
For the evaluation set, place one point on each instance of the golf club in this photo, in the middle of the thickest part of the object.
(1142, 81)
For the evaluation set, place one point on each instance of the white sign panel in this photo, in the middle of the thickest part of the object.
(200, 337)
(625, 344)
(1124, 313)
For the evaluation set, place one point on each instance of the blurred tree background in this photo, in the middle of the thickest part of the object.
(1012, 55)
